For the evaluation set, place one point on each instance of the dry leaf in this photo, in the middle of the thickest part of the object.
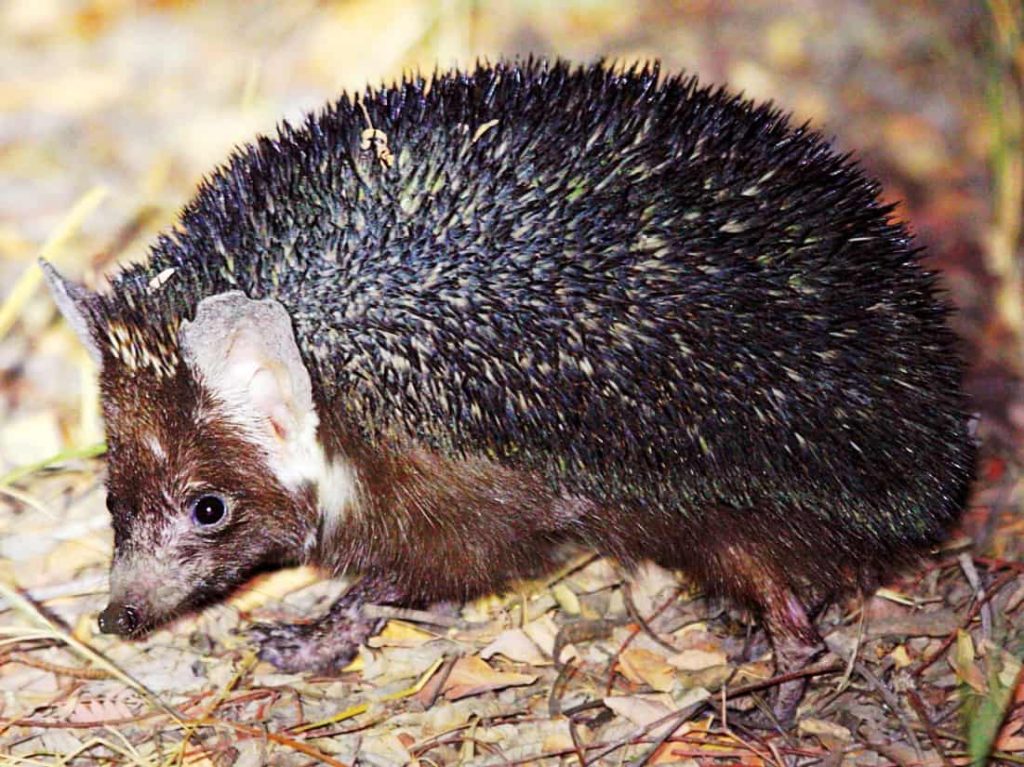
(811, 726)
(98, 710)
(962, 662)
(566, 598)
(1010, 739)
(597, 576)
(1010, 744)
(646, 667)
(936, 623)
(557, 737)
(517, 646)
(900, 657)
(273, 587)
(698, 660)
(472, 676)
(641, 710)
(543, 632)
(649, 584)
(400, 634)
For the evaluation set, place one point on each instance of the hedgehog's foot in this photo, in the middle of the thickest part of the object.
(795, 642)
(791, 654)
(327, 645)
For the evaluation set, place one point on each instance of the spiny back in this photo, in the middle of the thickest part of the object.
(646, 289)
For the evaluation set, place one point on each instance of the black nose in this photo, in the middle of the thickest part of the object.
(119, 620)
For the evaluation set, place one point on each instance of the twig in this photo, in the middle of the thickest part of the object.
(817, 669)
(893, 703)
(974, 579)
(994, 589)
(283, 740)
(929, 727)
(54, 668)
(565, 671)
(577, 744)
(442, 678)
(579, 631)
(412, 616)
(54, 724)
(861, 630)
(634, 614)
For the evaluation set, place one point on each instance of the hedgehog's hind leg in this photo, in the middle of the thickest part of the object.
(745, 571)
(794, 640)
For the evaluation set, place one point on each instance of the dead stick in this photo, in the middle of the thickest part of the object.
(994, 589)
(817, 669)
(929, 727)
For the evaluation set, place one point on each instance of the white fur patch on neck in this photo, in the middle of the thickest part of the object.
(338, 493)
(301, 460)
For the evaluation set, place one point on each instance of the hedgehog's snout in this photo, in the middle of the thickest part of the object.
(122, 620)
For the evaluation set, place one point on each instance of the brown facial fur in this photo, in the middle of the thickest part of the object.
(168, 445)
(427, 529)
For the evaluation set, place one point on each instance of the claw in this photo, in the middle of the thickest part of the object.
(297, 647)
(324, 647)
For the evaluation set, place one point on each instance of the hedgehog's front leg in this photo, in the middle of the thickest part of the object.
(330, 643)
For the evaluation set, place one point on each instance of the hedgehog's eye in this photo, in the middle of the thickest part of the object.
(111, 503)
(208, 510)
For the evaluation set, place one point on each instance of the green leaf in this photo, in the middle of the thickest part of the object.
(984, 713)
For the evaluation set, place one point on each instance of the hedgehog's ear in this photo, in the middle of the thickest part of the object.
(245, 352)
(73, 301)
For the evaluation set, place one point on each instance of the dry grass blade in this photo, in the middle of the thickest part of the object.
(29, 280)
(352, 711)
(50, 631)
(20, 472)
(10, 759)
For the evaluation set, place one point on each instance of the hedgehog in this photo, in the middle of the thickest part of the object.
(443, 329)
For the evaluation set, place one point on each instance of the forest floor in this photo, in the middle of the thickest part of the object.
(112, 112)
